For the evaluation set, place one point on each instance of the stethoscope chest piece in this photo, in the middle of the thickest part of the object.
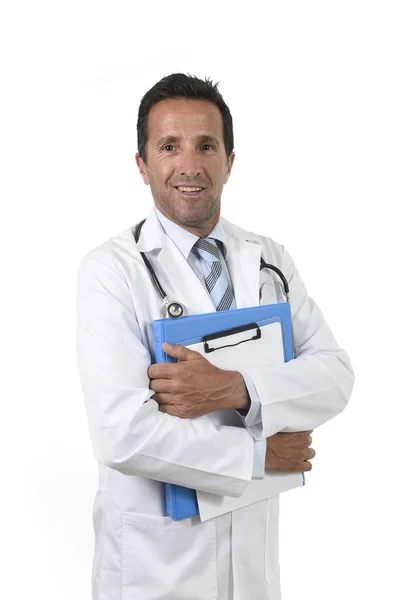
(173, 310)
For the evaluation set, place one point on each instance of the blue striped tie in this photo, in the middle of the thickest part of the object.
(215, 279)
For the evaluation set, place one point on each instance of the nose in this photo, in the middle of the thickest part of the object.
(189, 163)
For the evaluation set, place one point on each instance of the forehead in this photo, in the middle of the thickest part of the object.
(184, 117)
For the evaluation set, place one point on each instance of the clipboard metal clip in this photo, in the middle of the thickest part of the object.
(230, 332)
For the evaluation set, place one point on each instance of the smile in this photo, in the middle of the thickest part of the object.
(191, 191)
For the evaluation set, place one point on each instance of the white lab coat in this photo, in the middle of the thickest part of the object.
(141, 554)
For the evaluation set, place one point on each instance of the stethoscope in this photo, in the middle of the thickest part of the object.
(174, 309)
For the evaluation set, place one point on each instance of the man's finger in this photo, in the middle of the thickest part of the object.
(310, 453)
(162, 386)
(180, 352)
(161, 370)
(164, 400)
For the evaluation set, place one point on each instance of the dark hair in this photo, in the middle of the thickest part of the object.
(179, 85)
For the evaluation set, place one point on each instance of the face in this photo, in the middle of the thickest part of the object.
(187, 165)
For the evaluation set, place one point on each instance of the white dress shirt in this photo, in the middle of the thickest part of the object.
(185, 240)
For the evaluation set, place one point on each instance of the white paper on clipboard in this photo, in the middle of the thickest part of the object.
(240, 351)
(267, 350)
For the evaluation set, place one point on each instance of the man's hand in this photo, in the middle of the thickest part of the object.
(289, 452)
(194, 387)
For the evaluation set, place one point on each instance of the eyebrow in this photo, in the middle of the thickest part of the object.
(173, 138)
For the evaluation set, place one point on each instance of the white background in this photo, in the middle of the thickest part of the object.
(313, 89)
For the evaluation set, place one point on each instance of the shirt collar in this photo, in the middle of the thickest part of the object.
(185, 240)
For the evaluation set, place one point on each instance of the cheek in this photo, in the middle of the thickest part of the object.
(164, 173)
(220, 178)
(158, 179)
(218, 173)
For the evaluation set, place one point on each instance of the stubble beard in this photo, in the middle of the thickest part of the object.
(209, 209)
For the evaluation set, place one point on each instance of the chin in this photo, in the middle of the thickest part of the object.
(194, 217)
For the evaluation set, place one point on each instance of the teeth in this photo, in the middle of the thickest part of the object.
(189, 189)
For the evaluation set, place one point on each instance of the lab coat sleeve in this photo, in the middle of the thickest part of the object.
(312, 388)
(259, 459)
(128, 431)
(253, 415)
(249, 418)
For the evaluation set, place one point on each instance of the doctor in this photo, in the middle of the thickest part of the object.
(148, 423)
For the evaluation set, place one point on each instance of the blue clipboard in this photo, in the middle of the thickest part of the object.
(181, 502)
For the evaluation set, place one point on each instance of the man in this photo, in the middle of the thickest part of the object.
(148, 422)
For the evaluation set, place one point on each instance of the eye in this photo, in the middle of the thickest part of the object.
(206, 146)
(167, 146)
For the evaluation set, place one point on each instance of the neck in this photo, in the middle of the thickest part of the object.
(202, 230)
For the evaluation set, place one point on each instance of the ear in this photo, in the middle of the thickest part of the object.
(229, 166)
(142, 168)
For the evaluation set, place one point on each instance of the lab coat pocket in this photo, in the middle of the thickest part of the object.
(271, 538)
(168, 559)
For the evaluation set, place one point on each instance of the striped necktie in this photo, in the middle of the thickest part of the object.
(216, 281)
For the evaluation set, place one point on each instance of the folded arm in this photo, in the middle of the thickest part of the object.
(128, 431)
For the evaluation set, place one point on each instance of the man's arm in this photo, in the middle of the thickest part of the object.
(129, 433)
(303, 393)
(295, 396)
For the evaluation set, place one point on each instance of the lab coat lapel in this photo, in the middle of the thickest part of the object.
(176, 276)
(152, 235)
(243, 261)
